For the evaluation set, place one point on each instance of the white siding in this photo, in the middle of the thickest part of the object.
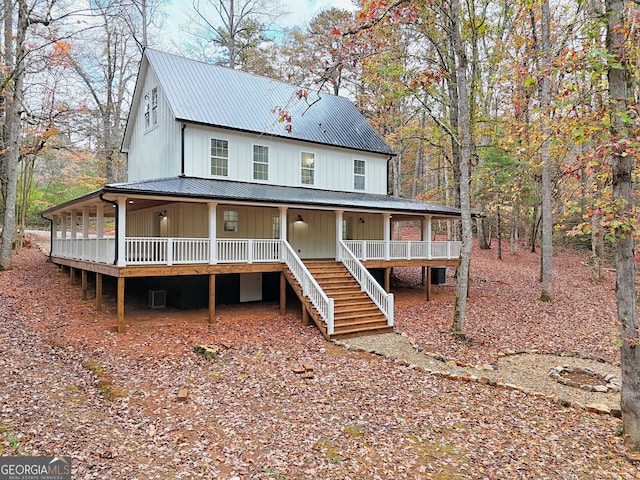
(333, 166)
(154, 152)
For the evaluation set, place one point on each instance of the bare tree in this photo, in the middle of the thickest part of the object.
(235, 26)
(19, 16)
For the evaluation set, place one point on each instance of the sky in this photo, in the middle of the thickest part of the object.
(301, 12)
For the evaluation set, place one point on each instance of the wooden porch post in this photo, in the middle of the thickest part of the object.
(428, 283)
(305, 315)
(283, 294)
(63, 225)
(212, 298)
(213, 240)
(121, 233)
(120, 301)
(86, 248)
(283, 223)
(99, 292)
(84, 284)
(72, 275)
(73, 227)
(387, 236)
(426, 233)
(100, 220)
(339, 233)
(387, 279)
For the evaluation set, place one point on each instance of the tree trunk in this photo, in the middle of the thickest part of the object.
(514, 234)
(418, 167)
(546, 294)
(12, 128)
(597, 247)
(464, 122)
(622, 166)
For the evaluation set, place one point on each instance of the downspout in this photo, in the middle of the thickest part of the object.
(115, 204)
(184, 126)
(50, 220)
(388, 160)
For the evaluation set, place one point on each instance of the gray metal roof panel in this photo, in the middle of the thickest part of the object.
(275, 194)
(219, 96)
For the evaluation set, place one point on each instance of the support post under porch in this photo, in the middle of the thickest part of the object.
(99, 292)
(283, 294)
(84, 285)
(212, 298)
(428, 283)
(120, 301)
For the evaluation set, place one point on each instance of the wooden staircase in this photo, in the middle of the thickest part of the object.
(354, 312)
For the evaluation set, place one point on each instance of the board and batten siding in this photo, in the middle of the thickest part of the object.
(154, 152)
(333, 166)
(191, 220)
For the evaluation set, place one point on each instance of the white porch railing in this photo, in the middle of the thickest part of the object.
(99, 250)
(310, 287)
(172, 251)
(368, 284)
(403, 250)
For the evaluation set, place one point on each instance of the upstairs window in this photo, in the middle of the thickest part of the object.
(260, 162)
(307, 168)
(219, 157)
(358, 174)
(147, 108)
(154, 106)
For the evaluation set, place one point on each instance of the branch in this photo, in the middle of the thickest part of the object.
(372, 23)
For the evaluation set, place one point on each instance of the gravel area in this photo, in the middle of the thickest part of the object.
(528, 372)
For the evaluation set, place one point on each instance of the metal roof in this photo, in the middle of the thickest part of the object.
(274, 194)
(219, 96)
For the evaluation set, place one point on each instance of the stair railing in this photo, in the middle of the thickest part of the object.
(368, 284)
(310, 287)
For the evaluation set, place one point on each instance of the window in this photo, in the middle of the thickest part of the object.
(154, 106)
(219, 157)
(307, 164)
(358, 174)
(260, 162)
(275, 227)
(230, 221)
(147, 122)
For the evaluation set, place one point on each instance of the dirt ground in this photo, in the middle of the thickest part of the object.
(115, 402)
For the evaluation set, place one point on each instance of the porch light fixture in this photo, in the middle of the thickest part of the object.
(300, 219)
(162, 214)
(361, 220)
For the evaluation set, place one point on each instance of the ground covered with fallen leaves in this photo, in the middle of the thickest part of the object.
(72, 386)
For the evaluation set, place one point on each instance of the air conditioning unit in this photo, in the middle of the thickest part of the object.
(157, 298)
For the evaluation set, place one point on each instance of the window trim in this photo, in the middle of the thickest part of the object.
(311, 170)
(357, 176)
(254, 162)
(212, 157)
(230, 225)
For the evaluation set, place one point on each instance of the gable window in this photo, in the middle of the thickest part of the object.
(260, 162)
(307, 168)
(154, 106)
(219, 157)
(147, 120)
(358, 174)
(230, 221)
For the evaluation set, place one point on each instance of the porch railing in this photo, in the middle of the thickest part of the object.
(172, 251)
(310, 287)
(367, 282)
(403, 250)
